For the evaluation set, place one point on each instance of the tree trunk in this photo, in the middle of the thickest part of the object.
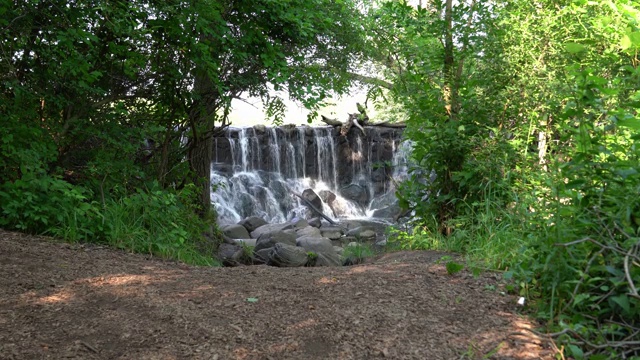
(202, 117)
(449, 76)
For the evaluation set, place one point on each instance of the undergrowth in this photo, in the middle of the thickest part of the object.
(153, 221)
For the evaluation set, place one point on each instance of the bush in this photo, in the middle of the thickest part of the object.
(158, 222)
(37, 202)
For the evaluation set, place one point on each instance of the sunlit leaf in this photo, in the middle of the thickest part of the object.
(574, 48)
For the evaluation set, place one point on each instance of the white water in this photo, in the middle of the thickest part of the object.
(260, 185)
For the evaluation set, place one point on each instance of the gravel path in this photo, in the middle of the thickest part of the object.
(77, 301)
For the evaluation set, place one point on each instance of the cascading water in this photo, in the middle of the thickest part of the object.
(257, 171)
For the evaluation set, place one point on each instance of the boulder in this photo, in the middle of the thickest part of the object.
(270, 239)
(327, 196)
(315, 222)
(262, 256)
(299, 223)
(230, 255)
(253, 222)
(312, 198)
(316, 244)
(388, 212)
(236, 232)
(362, 233)
(332, 259)
(308, 231)
(355, 193)
(331, 232)
(259, 128)
(339, 250)
(347, 239)
(284, 255)
(245, 242)
(267, 228)
(322, 247)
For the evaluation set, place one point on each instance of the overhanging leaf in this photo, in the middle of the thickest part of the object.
(574, 48)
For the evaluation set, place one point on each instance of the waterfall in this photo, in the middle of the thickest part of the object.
(257, 170)
(275, 148)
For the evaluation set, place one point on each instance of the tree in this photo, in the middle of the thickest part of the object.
(249, 47)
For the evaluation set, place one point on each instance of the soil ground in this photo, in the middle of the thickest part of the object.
(73, 301)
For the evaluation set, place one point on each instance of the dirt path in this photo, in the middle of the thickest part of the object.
(85, 302)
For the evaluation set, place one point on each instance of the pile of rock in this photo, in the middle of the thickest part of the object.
(296, 243)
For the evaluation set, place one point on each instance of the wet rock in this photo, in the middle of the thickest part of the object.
(355, 193)
(327, 196)
(315, 222)
(299, 223)
(388, 212)
(312, 198)
(236, 232)
(260, 129)
(252, 222)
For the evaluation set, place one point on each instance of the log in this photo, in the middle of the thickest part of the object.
(355, 122)
(389, 125)
(314, 208)
(331, 122)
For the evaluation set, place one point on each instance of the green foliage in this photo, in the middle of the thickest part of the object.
(155, 222)
(37, 202)
(357, 253)
(536, 157)
(453, 267)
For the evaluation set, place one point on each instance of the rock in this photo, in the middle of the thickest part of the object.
(331, 232)
(322, 247)
(362, 233)
(316, 244)
(347, 239)
(245, 242)
(299, 223)
(308, 231)
(350, 224)
(312, 198)
(355, 193)
(368, 235)
(230, 255)
(339, 250)
(260, 129)
(270, 239)
(290, 231)
(388, 212)
(253, 222)
(236, 231)
(328, 260)
(353, 244)
(284, 255)
(315, 222)
(267, 228)
(262, 256)
(327, 196)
